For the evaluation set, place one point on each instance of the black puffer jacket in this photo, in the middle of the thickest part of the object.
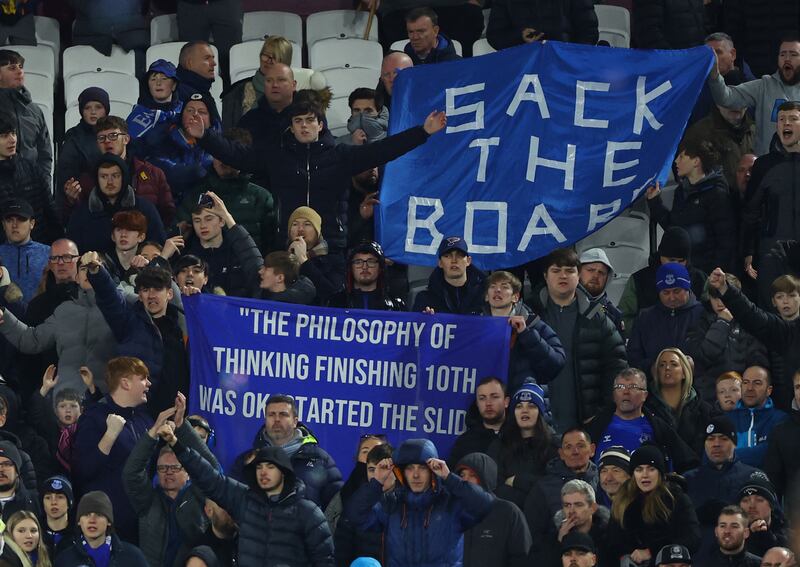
(719, 346)
(471, 296)
(668, 24)
(757, 26)
(33, 137)
(690, 421)
(285, 531)
(20, 178)
(559, 20)
(705, 211)
(599, 353)
(782, 461)
(78, 154)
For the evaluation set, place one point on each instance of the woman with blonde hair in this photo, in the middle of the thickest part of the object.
(244, 95)
(23, 541)
(650, 511)
(673, 386)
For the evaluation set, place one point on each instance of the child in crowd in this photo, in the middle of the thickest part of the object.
(59, 527)
(58, 427)
(23, 541)
(729, 390)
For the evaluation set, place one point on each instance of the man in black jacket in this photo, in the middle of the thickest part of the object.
(516, 22)
(326, 168)
(782, 460)
(502, 538)
(492, 401)
(426, 45)
(365, 285)
(280, 280)
(765, 519)
(456, 286)
(732, 534)
(13, 494)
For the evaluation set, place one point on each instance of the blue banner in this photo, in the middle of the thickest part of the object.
(351, 372)
(545, 143)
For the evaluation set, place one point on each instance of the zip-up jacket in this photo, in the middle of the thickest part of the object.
(26, 264)
(21, 178)
(753, 426)
(33, 137)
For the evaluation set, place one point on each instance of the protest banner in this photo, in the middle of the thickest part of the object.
(545, 143)
(351, 372)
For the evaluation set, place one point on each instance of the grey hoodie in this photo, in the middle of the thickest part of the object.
(762, 96)
(502, 539)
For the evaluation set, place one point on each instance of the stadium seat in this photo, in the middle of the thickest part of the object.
(337, 116)
(417, 277)
(120, 88)
(339, 24)
(343, 81)
(614, 25)
(309, 79)
(85, 59)
(482, 47)
(245, 60)
(257, 25)
(345, 53)
(41, 89)
(401, 44)
(164, 29)
(38, 60)
(48, 32)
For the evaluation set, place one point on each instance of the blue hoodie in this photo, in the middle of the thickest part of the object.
(753, 426)
(26, 264)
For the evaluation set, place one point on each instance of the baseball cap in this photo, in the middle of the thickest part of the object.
(17, 207)
(673, 554)
(577, 540)
(452, 243)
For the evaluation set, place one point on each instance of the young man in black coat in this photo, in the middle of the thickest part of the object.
(456, 286)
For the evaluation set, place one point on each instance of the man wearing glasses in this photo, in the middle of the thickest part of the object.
(630, 424)
(171, 517)
(365, 286)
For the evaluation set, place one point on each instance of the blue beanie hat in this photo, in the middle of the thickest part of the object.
(671, 276)
(164, 67)
(529, 392)
(365, 562)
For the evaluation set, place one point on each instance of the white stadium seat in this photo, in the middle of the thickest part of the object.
(400, 45)
(164, 29)
(85, 59)
(120, 88)
(41, 89)
(309, 79)
(614, 25)
(343, 81)
(38, 60)
(339, 24)
(345, 53)
(337, 116)
(257, 25)
(244, 59)
(48, 33)
(482, 47)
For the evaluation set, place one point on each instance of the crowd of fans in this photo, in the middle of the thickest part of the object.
(662, 431)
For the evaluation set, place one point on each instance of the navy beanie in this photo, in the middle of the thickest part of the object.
(530, 392)
(94, 94)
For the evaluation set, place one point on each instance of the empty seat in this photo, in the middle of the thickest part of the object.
(85, 59)
(345, 53)
(256, 25)
(48, 33)
(339, 24)
(344, 81)
(614, 25)
(164, 29)
(482, 47)
(38, 60)
(41, 89)
(122, 88)
(400, 45)
(244, 59)
(626, 241)
(337, 116)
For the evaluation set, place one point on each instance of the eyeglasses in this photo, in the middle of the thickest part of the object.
(169, 468)
(629, 387)
(267, 56)
(63, 259)
(371, 262)
(111, 137)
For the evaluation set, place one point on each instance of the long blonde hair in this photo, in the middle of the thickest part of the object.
(657, 504)
(686, 366)
(43, 558)
(282, 48)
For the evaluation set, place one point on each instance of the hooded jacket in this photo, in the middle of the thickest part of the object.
(90, 224)
(26, 264)
(33, 137)
(123, 554)
(285, 530)
(572, 21)
(312, 465)
(760, 96)
(21, 178)
(502, 538)
(782, 460)
(375, 127)
(421, 529)
(753, 427)
(598, 352)
(156, 511)
(316, 175)
(772, 212)
(705, 211)
(379, 299)
(443, 51)
(471, 295)
(717, 346)
(536, 352)
(659, 327)
(94, 470)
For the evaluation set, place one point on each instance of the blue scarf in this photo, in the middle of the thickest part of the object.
(101, 555)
